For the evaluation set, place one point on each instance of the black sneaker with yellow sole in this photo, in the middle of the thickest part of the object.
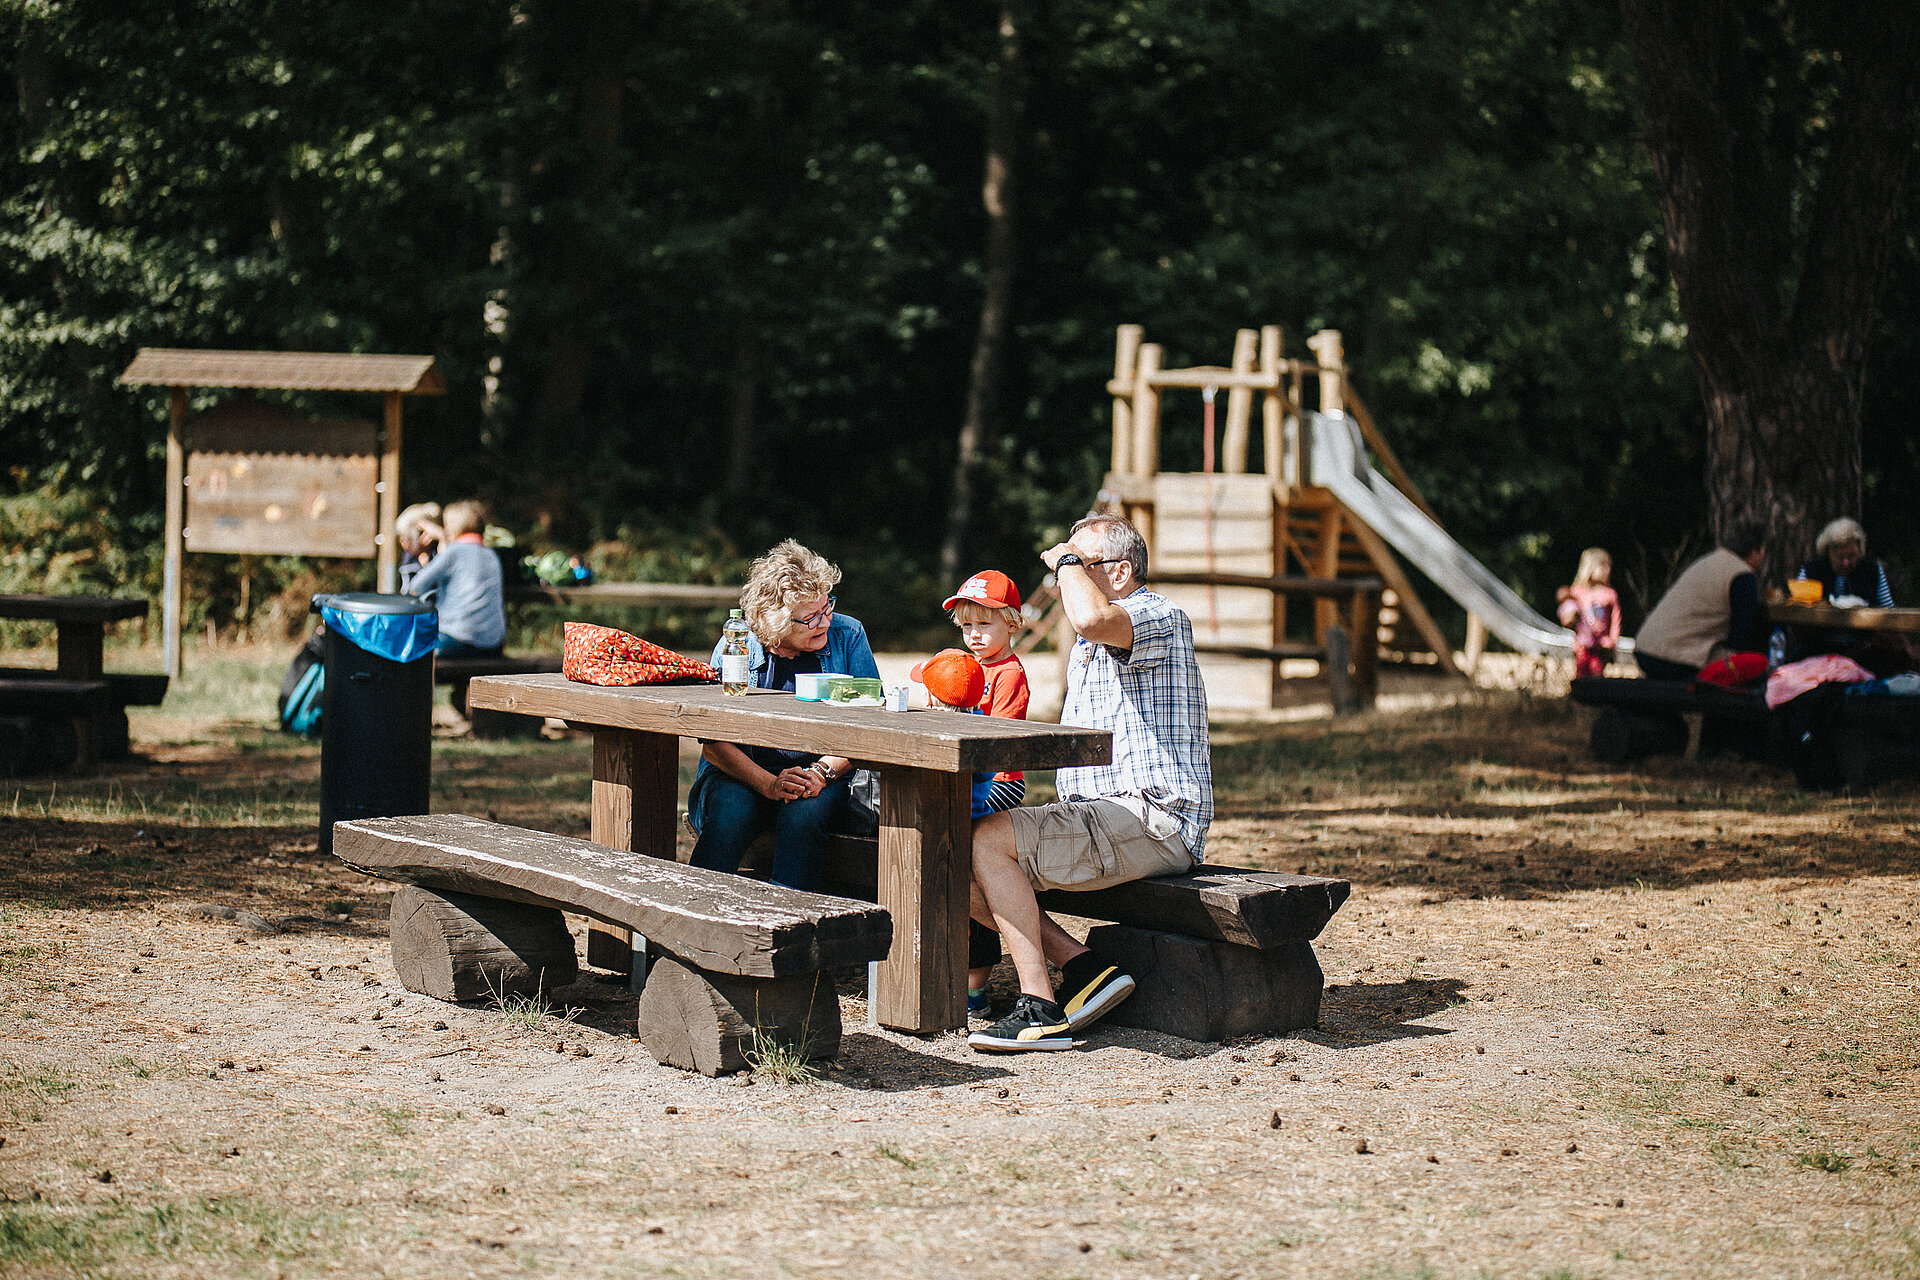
(1090, 988)
(1034, 1024)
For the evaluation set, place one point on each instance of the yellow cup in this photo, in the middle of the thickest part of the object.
(1804, 590)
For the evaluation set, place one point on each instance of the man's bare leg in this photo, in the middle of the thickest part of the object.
(1000, 883)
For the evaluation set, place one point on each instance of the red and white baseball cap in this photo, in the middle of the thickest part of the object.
(989, 587)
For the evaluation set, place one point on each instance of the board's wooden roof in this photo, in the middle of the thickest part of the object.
(284, 371)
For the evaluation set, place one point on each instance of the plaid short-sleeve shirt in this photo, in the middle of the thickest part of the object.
(1152, 698)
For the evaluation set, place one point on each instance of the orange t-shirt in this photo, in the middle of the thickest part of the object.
(1007, 696)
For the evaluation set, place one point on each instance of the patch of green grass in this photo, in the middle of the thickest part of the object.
(777, 1059)
(395, 1120)
(123, 1238)
(1826, 1161)
(121, 1062)
(899, 1157)
(24, 1090)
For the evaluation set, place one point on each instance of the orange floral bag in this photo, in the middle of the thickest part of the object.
(602, 655)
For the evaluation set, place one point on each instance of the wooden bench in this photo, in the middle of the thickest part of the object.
(1641, 718)
(71, 699)
(460, 672)
(39, 715)
(1217, 953)
(729, 957)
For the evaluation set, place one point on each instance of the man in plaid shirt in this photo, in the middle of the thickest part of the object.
(1145, 814)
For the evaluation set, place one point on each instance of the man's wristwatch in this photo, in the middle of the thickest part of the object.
(1067, 558)
(824, 769)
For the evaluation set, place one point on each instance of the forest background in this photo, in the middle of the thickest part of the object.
(702, 274)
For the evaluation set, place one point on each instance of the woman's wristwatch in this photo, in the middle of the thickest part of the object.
(824, 769)
(1066, 558)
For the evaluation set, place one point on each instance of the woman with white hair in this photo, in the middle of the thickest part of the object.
(1841, 566)
(740, 792)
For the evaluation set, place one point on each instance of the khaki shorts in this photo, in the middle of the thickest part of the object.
(1090, 844)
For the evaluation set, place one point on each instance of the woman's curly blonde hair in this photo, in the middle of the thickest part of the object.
(789, 574)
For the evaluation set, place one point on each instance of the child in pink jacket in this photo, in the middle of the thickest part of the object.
(1592, 609)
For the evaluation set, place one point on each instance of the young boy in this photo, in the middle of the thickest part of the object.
(987, 609)
(464, 579)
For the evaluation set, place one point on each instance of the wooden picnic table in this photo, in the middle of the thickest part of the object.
(1786, 613)
(925, 759)
(80, 624)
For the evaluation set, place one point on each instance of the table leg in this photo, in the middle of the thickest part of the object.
(926, 847)
(82, 656)
(636, 785)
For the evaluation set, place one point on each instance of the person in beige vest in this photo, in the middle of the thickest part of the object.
(1711, 610)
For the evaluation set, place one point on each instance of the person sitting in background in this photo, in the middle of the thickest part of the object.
(1841, 567)
(739, 792)
(465, 583)
(420, 537)
(1711, 610)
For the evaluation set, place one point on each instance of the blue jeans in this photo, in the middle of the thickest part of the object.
(447, 647)
(727, 816)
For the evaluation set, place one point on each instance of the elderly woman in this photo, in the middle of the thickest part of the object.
(1841, 566)
(741, 791)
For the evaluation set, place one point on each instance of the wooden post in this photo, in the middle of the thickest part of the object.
(1126, 353)
(926, 848)
(388, 562)
(1233, 441)
(635, 788)
(1326, 613)
(1273, 413)
(1340, 691)
(1333, 371)
(1476, 647)
(175, 548)
(1366, 649)
(1278, 568)
(1146, 412)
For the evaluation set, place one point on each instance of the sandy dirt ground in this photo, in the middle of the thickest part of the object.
(1577, 1023)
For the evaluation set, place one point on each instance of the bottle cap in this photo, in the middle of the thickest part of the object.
(735, 613)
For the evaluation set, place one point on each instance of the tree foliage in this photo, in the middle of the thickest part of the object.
(715, 269)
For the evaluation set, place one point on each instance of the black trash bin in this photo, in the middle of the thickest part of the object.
(376, 719)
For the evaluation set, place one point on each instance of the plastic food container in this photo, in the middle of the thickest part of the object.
(846, 688)
(812, 687)
(1804, 590)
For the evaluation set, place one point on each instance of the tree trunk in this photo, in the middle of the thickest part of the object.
(1778, 330)
(989, 345)
(602, 33)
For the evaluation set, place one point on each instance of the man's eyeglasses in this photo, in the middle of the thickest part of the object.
(819, 616)
(1117, 560)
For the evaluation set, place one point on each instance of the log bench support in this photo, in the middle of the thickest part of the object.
(731, 960)
(458, 673)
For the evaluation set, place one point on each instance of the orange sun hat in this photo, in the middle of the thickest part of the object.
(954, 676)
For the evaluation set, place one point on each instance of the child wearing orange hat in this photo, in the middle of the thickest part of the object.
(986, 608)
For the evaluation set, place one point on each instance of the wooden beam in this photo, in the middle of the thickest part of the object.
(388, 544)
(1126, 354)
(1388, 567)
(1332, 370)
(1233, 440)
(175, 537)
(635, 791)
(1146, 413)
(1273, 417)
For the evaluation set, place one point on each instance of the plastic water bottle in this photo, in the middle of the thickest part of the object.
(733, 654)
(1776, 648)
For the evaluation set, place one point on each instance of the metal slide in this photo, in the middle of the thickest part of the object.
(1340, 463)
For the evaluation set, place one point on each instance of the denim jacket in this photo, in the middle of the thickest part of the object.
(847, 652)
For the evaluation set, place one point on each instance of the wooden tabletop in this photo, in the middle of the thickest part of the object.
(950, 741)
(685, 594)
(1826, 615)
(72, 608)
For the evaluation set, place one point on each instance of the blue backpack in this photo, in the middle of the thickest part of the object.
(302, 686)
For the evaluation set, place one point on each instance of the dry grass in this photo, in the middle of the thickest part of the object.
(1587, 1023)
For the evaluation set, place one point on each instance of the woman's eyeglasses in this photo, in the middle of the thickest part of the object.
(816, 618)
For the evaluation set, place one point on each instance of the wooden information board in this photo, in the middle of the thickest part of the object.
(263, 482)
